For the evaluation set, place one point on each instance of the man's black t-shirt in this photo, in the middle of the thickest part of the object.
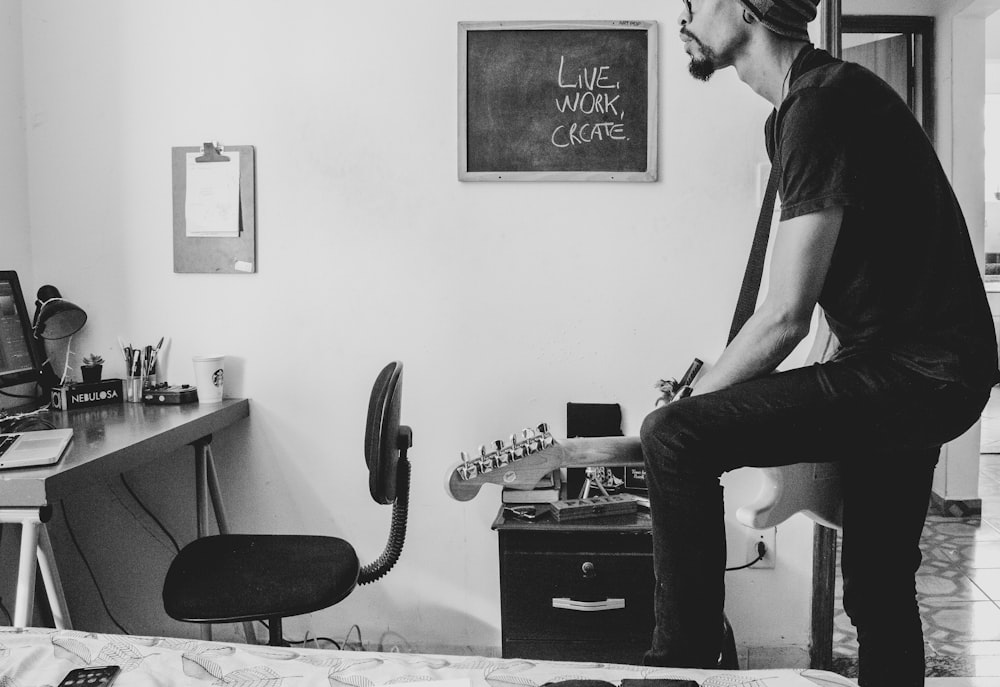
(903, 277)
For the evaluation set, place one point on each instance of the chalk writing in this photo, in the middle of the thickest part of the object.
(593, 93)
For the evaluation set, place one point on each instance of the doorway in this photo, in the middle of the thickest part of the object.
(900, 49)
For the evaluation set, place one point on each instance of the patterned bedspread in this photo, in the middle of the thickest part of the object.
(37, 657)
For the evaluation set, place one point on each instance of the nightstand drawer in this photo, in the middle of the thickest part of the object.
(579, 596)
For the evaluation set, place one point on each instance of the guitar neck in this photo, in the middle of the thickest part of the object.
(525, 470)
(586, 452)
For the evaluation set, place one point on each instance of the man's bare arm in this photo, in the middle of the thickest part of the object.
(803, 248)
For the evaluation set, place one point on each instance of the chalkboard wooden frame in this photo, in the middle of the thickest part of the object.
(618, 154)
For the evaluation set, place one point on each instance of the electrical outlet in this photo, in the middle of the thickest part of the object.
(767, 538)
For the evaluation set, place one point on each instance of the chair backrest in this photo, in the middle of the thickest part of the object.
(386, 444)
(384, 438)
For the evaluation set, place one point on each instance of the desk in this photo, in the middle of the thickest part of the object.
(107, 441)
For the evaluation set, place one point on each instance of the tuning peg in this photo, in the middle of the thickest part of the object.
(528, 441)
(546, 437)
(530, 444)
(467, 470)
(495, 457)
(485, 462)
(516, 449)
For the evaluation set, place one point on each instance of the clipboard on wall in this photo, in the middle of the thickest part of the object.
(226, 184)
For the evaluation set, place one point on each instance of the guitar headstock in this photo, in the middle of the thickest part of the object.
(519, 463)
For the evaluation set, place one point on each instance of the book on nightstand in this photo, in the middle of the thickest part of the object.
(549, 489)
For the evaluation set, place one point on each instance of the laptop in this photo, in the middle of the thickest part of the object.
(32, 449)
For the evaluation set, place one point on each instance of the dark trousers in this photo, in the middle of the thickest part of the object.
(883, 422)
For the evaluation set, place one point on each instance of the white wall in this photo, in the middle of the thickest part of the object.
(504, 301)
(15, 247)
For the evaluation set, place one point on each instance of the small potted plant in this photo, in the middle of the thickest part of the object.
(91, 367)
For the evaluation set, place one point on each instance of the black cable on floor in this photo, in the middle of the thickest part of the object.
(302, 641)
(93, 577)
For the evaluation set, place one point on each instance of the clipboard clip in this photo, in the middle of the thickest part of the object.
(211, 152)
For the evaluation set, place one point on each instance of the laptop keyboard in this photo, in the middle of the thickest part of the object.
(6, 441)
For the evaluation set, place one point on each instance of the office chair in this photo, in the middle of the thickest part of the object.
(244, 577)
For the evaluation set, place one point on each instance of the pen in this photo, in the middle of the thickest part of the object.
(125, 351)
(155, 356)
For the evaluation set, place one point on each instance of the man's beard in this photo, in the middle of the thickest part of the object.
(702, 67)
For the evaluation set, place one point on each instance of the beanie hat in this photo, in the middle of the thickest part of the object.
(785, 17)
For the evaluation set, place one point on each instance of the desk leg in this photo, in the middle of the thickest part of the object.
(201, 481)
(24, 603)
(215, 493)
(201, 504)
(53, 585)
(36, 550)
(208, 480)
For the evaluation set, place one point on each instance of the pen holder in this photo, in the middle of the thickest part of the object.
(133, 389)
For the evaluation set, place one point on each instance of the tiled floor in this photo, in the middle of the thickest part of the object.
(958, 584)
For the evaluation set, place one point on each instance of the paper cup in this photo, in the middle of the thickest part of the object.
(209, 374)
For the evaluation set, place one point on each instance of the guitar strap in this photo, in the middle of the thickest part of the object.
(747, 301)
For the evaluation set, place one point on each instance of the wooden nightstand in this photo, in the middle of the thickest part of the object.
(555, 576)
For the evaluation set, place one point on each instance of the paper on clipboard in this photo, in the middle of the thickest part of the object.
(212, 201)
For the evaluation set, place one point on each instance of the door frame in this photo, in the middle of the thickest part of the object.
(920, 36)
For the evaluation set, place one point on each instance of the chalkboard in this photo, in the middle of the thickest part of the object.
(557, 101)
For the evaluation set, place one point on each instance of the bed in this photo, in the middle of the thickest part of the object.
(34, 657)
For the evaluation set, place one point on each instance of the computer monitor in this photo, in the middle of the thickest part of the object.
(20, 358)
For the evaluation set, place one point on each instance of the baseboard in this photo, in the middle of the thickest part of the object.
(955, 508)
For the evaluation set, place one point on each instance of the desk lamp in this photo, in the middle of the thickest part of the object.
(55, 318)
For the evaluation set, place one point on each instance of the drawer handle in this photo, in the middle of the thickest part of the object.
(574, 605)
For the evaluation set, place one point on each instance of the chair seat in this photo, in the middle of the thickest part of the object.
(239, 577)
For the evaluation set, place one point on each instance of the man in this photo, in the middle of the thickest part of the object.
(871, 231)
